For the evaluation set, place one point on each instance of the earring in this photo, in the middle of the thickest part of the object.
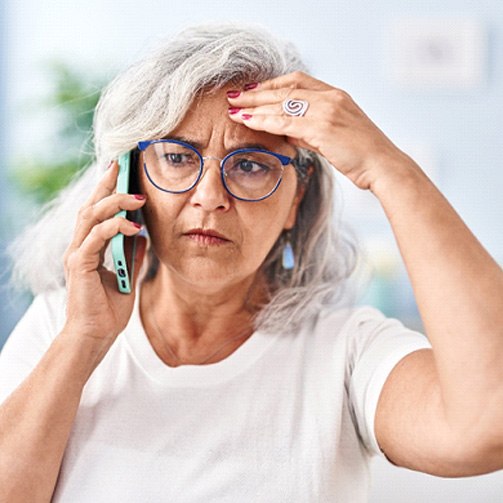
(288, 259)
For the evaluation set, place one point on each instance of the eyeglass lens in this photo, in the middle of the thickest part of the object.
(247, 175)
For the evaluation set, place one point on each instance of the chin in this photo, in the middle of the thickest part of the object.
(210, 275)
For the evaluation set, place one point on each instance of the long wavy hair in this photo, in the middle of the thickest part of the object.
(147, 101)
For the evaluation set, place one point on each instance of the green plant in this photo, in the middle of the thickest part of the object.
(74, 97)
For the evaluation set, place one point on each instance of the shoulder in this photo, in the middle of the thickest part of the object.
(30, 339)
(350, 313)
(45, 315)
(368, 336)
(351, 322)
(51, 303)
(360, 322)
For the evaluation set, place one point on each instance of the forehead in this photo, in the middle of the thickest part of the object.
(208, 123)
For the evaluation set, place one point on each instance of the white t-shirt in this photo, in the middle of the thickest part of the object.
(285, 418)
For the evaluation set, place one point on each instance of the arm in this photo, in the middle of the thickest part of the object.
(36, 419)
(441, 411)
(449, 403)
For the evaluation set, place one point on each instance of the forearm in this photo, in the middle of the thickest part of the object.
(36, 419)
(459, 292)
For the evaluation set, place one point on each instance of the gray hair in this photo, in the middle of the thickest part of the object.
(147, 101)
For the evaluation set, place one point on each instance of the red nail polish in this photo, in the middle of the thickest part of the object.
(233, 93)
(234, 110)
(251, 85)
(140, 197)
(245, 117)
(137, 225)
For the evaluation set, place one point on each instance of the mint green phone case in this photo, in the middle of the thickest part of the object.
(124, 275)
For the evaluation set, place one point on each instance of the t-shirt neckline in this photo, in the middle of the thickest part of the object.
(190, 375)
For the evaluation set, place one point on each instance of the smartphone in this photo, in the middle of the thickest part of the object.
(127, 183)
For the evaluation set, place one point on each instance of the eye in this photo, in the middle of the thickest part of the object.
(245, 166)
(175, 158)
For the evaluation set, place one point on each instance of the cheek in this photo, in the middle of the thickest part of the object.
(160, 216)
(160, 209)
(268, 219)
(256, 227)
(263, 228)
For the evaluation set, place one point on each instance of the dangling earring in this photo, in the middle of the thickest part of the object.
(288, 259)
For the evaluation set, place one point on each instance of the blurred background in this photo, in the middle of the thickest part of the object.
(429, 73)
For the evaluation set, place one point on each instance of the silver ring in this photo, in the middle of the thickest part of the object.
(295, 108)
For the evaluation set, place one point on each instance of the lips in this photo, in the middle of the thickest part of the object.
(206, 236)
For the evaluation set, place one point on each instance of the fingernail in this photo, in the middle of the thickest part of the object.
(251, 85)
(233, 93)
(245, 117)
(140, 197)
(137, 225)
(110, 164)
(234, 110)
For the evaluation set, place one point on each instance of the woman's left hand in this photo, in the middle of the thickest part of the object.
(333, 126)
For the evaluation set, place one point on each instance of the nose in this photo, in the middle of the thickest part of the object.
(210, 193)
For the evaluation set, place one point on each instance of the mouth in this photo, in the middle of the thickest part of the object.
(206, 237)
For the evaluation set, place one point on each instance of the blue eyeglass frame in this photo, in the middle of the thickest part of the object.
(284, 159)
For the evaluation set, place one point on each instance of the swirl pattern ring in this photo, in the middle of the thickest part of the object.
(295, 108)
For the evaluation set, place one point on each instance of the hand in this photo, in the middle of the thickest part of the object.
(333, 126)
(95, 307)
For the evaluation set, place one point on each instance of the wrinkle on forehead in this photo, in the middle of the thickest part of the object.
(207, 122)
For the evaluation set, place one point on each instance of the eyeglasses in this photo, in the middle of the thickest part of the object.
(248, 174)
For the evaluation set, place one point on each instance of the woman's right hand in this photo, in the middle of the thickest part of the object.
(95, 307)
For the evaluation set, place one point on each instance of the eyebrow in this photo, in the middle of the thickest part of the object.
(199, 145)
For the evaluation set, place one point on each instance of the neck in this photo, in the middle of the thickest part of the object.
(187, 324)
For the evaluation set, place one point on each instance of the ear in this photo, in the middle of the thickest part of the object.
(294, 209)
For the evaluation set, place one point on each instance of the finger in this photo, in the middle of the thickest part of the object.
(275, 109)
(321, 105)
(106, 185)
(286, 84)
(255, 99)
(102, 210)
(295, 80)
(296, 128)
(98, 238)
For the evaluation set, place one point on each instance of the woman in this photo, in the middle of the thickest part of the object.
(230, 374)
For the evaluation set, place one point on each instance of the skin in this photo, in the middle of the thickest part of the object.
(206, 293)
(201, 296)
(440, 410)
